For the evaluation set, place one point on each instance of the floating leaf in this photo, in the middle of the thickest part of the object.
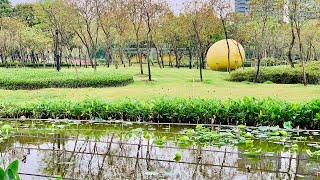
(283, 133)
(287, 125)
(151, 173)
(177, 157)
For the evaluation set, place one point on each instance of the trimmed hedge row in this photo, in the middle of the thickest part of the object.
(249, 111)
(14, 79)
(279, 74)
(18, 64)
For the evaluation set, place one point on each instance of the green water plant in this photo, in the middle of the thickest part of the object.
(249, 111)
(11, 172)
(177, 156)
(313, 155)
(7, 128)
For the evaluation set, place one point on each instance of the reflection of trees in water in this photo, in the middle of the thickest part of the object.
(115, 159)
(105, 161)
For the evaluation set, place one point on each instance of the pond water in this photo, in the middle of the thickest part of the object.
(149, 151)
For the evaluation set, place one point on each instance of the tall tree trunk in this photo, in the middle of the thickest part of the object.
(228, 46)
(80, 57)
(139, 53)
(161, 56)
(190, 57)
(241, 56)
(201, 65)
(258, 70)
(177, 57)
(293, 38)
(305, 82)
(158, 57)
(107, 58)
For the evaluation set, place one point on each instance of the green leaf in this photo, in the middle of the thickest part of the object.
(10, 175)
(14, 166)
(287, 125)
(2, 174)
(178, 157)
(283, 133)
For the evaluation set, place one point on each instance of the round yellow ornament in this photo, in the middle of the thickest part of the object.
(217, 56)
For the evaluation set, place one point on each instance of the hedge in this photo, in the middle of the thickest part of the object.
(279, 74)
(39, 65)
(249, 111)
(14, 79)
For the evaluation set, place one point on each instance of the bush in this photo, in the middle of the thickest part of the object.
(249, 111)
(280, 74)
(39, 65)
(14, 79)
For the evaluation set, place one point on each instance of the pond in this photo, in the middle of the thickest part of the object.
(121, 150)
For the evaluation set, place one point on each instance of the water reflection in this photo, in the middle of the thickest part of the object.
(82, 154)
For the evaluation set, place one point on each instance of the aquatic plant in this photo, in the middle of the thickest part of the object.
(11, 173)
(314, 155)
(248, 111)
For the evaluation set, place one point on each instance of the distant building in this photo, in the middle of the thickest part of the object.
(241, 6)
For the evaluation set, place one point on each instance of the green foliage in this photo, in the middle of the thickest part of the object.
(287, 125)
(178, 157)
(36, 79)
(249, 111)
(5, 8)
(11, 173)
(26, 13)
(279, 74)
(314, 155)
(7, 128)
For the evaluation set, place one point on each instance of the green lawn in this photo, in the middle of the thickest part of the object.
(171, 82)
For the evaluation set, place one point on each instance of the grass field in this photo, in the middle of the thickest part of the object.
(171, 82)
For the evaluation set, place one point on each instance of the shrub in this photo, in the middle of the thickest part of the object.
(280, 74)
(249, 111)
(39, 65)
(39, 78)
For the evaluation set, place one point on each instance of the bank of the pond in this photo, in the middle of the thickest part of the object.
(249, 111)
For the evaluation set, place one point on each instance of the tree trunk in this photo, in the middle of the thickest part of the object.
(177, 57)
(201, 65)
(107, 58)
(161, 56)
(228, 46)
(305, 82)
(190, 58)
(258, 70)
(293, 38)
(139, 53)
(158, 58)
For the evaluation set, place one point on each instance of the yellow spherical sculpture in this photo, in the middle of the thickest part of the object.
(217, 56)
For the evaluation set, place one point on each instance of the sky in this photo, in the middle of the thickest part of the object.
(14, 2)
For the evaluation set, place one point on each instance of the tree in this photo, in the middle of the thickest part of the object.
(152, 12)
(84, 21)
(200, 13)
(264, 19)
(224, 9)
(107, 19)
(135, 12)
(5, 8)
(27, 13)
(300, 12)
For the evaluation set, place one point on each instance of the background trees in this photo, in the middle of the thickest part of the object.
(150, 31)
